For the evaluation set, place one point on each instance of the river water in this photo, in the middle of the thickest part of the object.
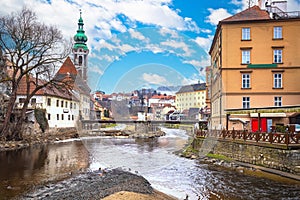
(152, 158)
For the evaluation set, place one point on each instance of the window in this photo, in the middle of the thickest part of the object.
(80, 60)
(71, 105)
(66, 104)
(33, 101)
(277, 32)
(21, 100)
(62, 104)
(72, 117)
(69, 117)
(57, 103)
(57, 117)
(48, 102)
(277, 53)
(245, 80)
(277, 101)
(245, 56)
(246, 34)
(277, 77)
(49, 116)
(246, 102)
(62, 116)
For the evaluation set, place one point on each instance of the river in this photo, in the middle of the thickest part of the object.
(152, 158)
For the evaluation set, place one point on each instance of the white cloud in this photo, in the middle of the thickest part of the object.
(138, 35)
(178, 45)
(166, 31)
(102, 44)
(205, 30)
(198, 63)
(104, 14)
(155, 79)
(95, 69)
(217, 15)
(125, 48)
(239, 2)
(205, 43)
(109, 58)
(154, 48)
(191, 80)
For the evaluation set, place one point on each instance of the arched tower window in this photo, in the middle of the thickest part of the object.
(80, 60)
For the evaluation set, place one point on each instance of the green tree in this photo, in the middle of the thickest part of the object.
(33, 51)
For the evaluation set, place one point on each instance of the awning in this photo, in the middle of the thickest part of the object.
(261, 66)
(237, 119)
(268, 114)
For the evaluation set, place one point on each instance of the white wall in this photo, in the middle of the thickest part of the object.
(61, 116)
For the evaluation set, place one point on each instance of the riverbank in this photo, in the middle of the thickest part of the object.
(60, 134)
(38, 137)
(107, 184)
(209, 157)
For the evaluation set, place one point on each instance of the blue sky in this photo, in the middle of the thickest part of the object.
(140, 43)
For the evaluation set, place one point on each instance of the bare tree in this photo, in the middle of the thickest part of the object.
(32, 50)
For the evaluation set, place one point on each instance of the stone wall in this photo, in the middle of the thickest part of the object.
(270, 156)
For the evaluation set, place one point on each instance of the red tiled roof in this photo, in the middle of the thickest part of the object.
(69, 75)
(134, 97)
(253, 13)
(49, 90)
(106, 96)
(67, 67)
(163, 97)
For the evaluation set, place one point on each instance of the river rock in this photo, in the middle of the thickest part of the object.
(92, 185)
(240, 169)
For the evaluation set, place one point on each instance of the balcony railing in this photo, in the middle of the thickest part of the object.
(279, 14)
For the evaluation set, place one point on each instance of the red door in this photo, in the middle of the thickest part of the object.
(263, 124)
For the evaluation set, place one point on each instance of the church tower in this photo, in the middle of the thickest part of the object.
(81, 51)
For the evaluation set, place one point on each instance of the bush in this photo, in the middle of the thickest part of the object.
(280, 128)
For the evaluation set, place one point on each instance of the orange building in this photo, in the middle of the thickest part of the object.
(255, 69)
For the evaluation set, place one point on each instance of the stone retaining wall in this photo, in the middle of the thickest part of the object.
(266, 156)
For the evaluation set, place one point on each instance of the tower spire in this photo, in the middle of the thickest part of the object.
(80, 38)
(80, 49)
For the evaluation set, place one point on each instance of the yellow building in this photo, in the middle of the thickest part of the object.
(191, 96)
(255, 69)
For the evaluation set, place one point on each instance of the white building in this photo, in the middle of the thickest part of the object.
(61, 107)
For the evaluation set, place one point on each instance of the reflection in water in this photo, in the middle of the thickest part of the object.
(21, 169)
(152, 158)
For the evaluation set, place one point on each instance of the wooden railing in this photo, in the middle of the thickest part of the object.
(258, 137)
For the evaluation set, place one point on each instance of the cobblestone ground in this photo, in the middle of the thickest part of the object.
(92, 185)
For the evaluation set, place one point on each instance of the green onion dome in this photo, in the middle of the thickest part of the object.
(80, 38)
